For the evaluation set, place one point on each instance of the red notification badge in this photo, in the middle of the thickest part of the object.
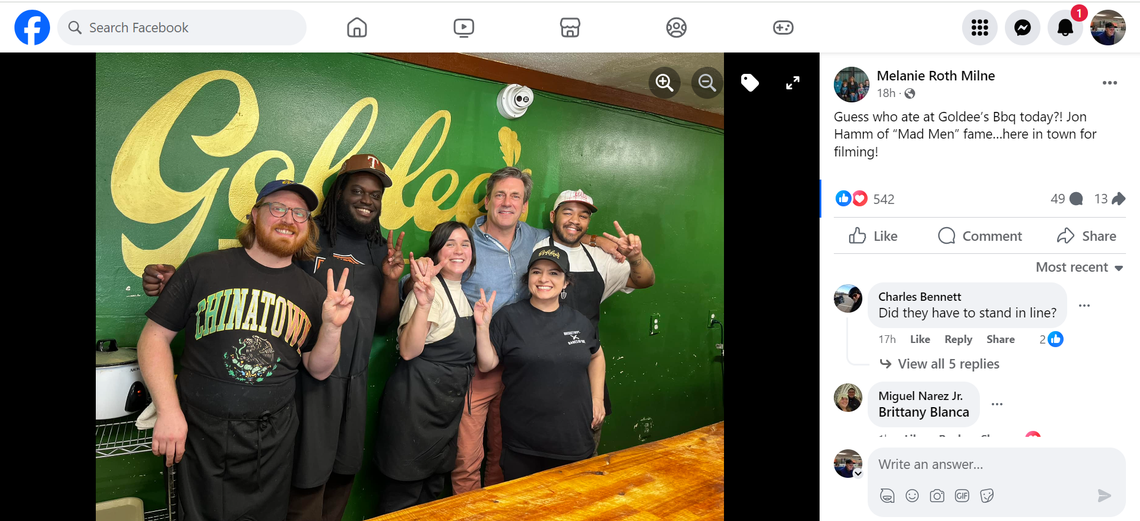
(1079, 13)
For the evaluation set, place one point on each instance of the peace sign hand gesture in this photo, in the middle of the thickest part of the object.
(628, 245)
(483, 308)
(338, 303)
(422, 272)
(393, 266)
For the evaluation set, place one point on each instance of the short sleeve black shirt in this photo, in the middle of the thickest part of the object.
(244, 322)
(546, 409)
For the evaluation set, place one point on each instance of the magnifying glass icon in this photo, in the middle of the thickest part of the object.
(701, 81)
(663, 82)
(74, 27)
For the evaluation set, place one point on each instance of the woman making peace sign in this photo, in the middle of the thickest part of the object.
(423, 399)
(553, 371)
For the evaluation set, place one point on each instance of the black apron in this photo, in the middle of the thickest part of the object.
(422, 404)
(585, 295)
(333, 410)
(239, 449)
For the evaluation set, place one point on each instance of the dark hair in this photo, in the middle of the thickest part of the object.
(330, 211)
(508, 172)
(441, 234)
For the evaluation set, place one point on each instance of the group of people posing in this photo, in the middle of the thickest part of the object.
(498, 331)
(851, 90)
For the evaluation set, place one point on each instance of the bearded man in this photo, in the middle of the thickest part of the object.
(251, 318)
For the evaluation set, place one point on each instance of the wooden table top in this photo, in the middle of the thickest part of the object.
(676, 478)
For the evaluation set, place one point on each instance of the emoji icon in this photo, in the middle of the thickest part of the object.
(912, 495)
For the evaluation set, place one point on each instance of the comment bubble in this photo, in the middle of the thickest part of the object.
(997, 482)
(967, 305)
(923, 404)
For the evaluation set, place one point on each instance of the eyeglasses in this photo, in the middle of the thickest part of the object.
(278, 210)
(376, 196)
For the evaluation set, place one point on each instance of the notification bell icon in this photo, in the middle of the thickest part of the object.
(1065, 27)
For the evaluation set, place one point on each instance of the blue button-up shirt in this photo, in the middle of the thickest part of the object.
(496, 269)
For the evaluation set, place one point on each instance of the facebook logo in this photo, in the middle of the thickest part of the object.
(32, 27)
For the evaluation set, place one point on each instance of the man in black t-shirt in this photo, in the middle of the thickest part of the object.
(330, 440)
(251, 320)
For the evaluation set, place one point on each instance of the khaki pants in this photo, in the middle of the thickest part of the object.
(486, 393)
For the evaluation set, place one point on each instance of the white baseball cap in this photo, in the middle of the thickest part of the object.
(575, 196)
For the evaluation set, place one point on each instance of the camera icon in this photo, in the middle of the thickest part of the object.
(937, 496)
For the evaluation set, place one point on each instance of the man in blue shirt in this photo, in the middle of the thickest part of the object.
(1108, 37)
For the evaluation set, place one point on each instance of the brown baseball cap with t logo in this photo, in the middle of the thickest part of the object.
(366, 163)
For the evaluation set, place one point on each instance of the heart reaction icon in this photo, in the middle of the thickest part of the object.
(860, 197)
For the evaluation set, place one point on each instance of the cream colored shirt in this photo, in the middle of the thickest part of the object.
(441, 319)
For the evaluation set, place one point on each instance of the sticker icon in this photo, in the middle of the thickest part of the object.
(843, 198)
(987, 495)
(860, 197)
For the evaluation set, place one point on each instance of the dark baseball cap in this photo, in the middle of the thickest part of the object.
(1110, 24)
(366, 163)
(553, 254)
(284, 184)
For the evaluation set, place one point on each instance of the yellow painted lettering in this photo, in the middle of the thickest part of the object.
(137, 188)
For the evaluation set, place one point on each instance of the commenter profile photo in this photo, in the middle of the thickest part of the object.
(848, 298)
(852, 84)
(848, 464)
(848, 397)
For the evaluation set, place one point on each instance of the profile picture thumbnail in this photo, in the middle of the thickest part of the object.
(848, 464)
(1107, 27)
(848, 298)
(848, 397)
(852, 84)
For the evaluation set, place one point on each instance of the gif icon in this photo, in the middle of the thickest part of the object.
(961, 495)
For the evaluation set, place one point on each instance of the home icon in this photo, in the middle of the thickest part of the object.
(357, 28)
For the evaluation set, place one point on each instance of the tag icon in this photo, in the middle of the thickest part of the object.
(749, 82)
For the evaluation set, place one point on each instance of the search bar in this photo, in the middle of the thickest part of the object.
(182, 27)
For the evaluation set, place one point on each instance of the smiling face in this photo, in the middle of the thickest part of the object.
(843, 402)
(571, 220)
(280, 236)
(505, 203)
(912, 495)
(545, 280)
(455, 255)
(360, 201)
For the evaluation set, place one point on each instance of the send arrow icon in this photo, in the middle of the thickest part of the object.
(1103, 495)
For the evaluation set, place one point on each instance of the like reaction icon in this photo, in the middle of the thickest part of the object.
(843, 198)
(857, 238)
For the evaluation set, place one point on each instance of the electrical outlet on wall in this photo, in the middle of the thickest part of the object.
(712, 315)
(654, 323)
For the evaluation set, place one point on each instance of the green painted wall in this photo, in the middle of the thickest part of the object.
(661, 179)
